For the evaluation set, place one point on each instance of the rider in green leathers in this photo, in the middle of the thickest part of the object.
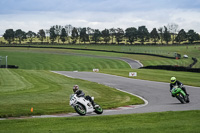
(175, 82)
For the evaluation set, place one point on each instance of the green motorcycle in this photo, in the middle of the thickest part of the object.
(180, 95)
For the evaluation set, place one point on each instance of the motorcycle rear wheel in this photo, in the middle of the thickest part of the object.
(98, 110)
(187, 99)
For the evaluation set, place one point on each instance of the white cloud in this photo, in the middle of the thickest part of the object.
(156, 18)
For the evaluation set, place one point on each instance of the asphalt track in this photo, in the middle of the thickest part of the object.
(155, 94)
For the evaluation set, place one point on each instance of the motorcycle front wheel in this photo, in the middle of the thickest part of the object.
(80, 109)
(180, 97)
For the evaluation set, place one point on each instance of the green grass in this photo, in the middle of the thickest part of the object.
(40, 60)
(187, 78)
(165, 122)
(57, 59)
(49, 93)
(190, 50)
(61, 53)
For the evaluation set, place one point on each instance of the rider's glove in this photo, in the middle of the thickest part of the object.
(180, 86)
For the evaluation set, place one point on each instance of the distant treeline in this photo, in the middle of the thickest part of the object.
(73, 35)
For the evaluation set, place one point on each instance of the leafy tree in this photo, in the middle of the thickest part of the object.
(161, 34)
(30, 35)
(79, 32)
(41, 35)
(154, 35)
(63, 35)
(197, 36)
(20, 35)
(74, 35)
(52, 34)
(182, 36)
(143, 34)
(9, 35)
(131, 34)
(84, 36)
(192, 36)
(112, 33)
(119, 35)
(106, 35)
(166, 35)
(96, 36)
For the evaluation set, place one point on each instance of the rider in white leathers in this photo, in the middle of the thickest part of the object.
(80, 93)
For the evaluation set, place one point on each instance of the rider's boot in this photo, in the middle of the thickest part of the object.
(183, 88)
(96, 106)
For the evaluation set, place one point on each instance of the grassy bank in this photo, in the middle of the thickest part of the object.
(60, 59)
(48, 93)
(38, 53)
(187, 78)
(40, 59)
(165, 122)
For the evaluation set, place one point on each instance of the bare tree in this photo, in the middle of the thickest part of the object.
(47, 34)
(68, 29)
(173, 30)
(58, 29)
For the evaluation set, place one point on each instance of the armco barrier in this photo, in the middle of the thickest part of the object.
(9, 66)
(172, 68)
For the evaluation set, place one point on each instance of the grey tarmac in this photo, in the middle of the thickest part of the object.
(156, 94)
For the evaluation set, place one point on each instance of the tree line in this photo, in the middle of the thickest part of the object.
(74, 35)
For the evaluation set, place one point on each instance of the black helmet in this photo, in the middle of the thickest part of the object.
(75, 88)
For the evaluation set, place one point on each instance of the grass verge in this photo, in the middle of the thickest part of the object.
(187, 78)
(165, 122)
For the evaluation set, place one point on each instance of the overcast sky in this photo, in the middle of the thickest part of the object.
(98, 14)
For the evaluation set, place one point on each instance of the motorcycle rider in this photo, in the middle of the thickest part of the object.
(80, 93)
(175, 82)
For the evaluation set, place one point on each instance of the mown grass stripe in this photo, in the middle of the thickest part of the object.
(48, 93)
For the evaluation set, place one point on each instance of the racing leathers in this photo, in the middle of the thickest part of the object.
(80, 93)
(179, 84)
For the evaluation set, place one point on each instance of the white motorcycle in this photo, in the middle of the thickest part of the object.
(83, 106)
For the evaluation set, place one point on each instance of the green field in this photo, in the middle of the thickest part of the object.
(165, 122)
(144, 59)
(48, 93)
(37, 59)
(34, 85)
